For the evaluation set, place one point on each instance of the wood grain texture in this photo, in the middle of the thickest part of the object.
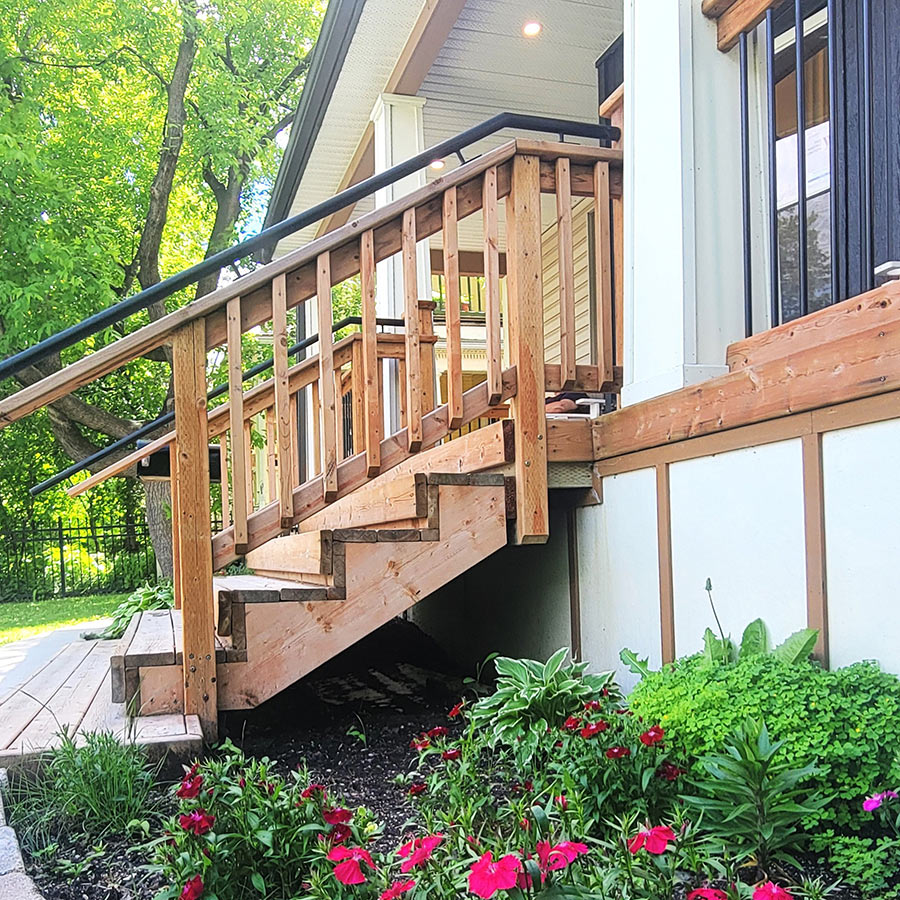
(413, 373)
(195, 557)
(284, 439)
(814, 532)
(452, 310)
(526, 341)
(664, 545)
(566, 262)
(604, 268)
(326, 390)
(373, 418)
(493, 350)
(740, 16)
(239, 459)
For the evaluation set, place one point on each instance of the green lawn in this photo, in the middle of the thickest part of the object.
(23, 620)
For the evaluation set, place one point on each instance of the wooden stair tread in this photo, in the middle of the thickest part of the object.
(267, 589)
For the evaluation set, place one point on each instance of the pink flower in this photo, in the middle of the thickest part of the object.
(417, 852)
(572, 723)
(397, 889)
(452, 753)
(306, 793)
(771, 891)
(192, 890)
(652, 736)
(417, 787)
(593, 728)
(189, 787)
(456, 710)
(562, 803)
(348, 859)
(339, 834)
(617, 752)
(707, 894)
(337, 816)
(486, 877)
(870, 804)
(655, 839)
(198, 821)
(552, 858)
(420, 743)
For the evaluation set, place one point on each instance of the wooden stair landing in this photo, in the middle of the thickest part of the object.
(73, 691)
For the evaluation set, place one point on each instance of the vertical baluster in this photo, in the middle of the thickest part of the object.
(223, 479)
(284, 438)
(357, 392)
(452, 310)
(492, 287)
(316, 413)
(603, 258)
(566, 274)
(239, 457)
(251, 463)
(526, 342)
(618, 318)
(371, 402)
(326, 377)
(195, 548)
(176, 537)
(295, 441)
(271, 456)
(413, 343)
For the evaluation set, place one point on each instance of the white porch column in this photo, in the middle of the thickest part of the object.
(683, 250)
(398, 135)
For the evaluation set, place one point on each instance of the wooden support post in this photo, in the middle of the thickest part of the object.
(284, 439)
(452, 310)
(371, 365)
(566, 259)
(176, 539)
(603, 265)
(411, 320)
(526, 337)
(326, 377)
(664, 545)
(618, 213)
(251, 461)
(814, 521)
(357, 392)
(240, 461)
(194, 539)
(295, 441)
(492, 287)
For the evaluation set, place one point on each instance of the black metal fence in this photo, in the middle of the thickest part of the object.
(74, 559)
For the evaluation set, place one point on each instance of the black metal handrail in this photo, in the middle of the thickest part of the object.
(268, 237)
(168, 417)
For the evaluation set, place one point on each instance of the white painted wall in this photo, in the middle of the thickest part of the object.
(738, 518)
(618, 574)
(862, 500)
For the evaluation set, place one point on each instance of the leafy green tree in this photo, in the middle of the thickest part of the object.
(134, 140)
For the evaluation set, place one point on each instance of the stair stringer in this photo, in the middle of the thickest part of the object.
(287, 640)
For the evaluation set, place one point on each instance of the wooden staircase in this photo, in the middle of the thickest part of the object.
(380, 520)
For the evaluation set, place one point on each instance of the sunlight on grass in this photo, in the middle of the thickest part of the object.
(24, 620)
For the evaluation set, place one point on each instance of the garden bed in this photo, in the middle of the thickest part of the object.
(573, 796)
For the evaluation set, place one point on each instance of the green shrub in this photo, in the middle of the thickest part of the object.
(94, 788)
(873, 864)
(848, 719)
(149, 596)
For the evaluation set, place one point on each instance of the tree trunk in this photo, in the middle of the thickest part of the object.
(158, 510)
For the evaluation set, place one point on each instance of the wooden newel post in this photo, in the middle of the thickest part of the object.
(193, 577)
(526, 337)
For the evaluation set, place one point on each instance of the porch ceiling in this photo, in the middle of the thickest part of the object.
(484, 67)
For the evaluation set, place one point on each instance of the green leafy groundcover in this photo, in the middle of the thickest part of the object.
(848, 720)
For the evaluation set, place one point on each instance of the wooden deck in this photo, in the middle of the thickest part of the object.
(73, 691)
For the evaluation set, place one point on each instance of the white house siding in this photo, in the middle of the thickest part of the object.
(737, 518)
(862, 499)
(550, 267)
(618, 573)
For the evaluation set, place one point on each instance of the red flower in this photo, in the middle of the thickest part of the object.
(572, 723)
(562, 803)
(396, 889)
(707, 894)
(337, 816)
(339, 834)
(552, 858)
(438, 731)
(771, 891)
(486, 877)
(417, 787)
(655, 839)
(592, 704)
(420, 743)
(524, 824)
(456, 709)
(652, 736)
(529, 785)
(314, 789)
(617, 752)
(417, 852)
(670, 772)
(197, 821)
(452, 753)
(593, 728)
(193, 889)
(189, 787)
(348, 859)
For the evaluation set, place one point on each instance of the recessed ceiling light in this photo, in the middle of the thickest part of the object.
(531, 29)
(437, 164)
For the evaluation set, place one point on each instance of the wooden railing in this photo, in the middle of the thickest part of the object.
(515, 174)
